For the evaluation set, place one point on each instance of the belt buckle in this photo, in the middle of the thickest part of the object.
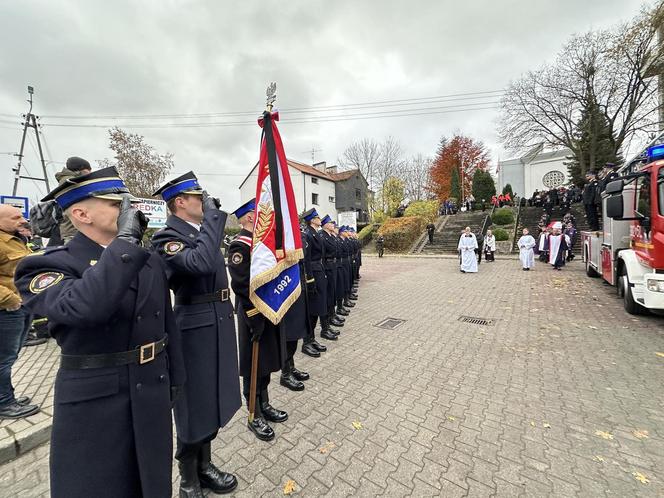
(224, 295)
(146, 353)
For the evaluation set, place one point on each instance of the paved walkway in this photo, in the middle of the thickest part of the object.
(560, 396)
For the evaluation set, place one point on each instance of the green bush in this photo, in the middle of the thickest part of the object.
(401, 233)
(503, 216)
(232, 231)
(366, 234)
(378, 217)
(501, 234)
(426, 209)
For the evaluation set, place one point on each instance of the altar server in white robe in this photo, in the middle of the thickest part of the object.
(557, 246)
(526, 254)
(466, 247)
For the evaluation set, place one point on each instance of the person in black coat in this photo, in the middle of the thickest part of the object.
(330, 264)
(190, 245)
(253, 326)
(316, 278)
(589, 196)
(108, 305)
(342, 276)
(431, 228)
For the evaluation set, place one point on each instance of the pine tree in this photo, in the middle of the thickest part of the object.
(596, 146)
(483, 186)
(455, 186)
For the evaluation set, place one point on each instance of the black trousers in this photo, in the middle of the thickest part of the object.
(261, 385)
(291, 347)
(591, 215)
(186, 451)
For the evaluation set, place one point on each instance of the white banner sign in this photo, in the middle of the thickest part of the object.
(348, 218)
(155, 210)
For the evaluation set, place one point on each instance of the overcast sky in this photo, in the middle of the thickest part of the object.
(137, 58)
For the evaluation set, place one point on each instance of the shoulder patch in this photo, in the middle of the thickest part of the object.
(237, 258)
(44, 280)
(173, 247)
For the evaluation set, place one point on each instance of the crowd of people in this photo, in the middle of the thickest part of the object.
(133, 356)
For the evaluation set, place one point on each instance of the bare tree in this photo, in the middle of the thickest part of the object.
(364, 155)
(417, 177)
(612, 69)
(140, 166)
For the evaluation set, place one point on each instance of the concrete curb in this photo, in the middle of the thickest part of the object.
(13, 445)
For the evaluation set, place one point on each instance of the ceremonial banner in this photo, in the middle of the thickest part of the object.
(277, 247)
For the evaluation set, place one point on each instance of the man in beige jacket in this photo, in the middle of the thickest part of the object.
(14, 319)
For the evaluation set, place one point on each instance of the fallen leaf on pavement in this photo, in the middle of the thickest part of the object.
(592, 327)
(660, 354)
(450, 417)
(326, 447)
(604, 435)
(532, 423)
(534, 310)
(546, 425)
(357, 425)
(289, 487)
(598, 458)
(640, 477)
(641, 433)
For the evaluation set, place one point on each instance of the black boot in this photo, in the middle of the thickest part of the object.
(259, 425)
(326, 334)
(349, 304)
(190, 487)
(342, 311)
(336, 321)
(270, 412)
(310, 350)
(288, 379)
(210, 476)
(321, 348)
(299, 374)
(353, 296)
(325, 325)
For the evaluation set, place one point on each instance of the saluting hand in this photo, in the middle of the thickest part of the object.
(210, 202)
(132, 223)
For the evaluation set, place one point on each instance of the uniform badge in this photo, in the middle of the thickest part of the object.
(236, 258)
(93, 262)
(173, 247)
(44, 280)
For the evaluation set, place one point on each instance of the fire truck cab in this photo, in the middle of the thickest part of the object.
(629, 251)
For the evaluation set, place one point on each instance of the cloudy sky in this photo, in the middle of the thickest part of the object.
(93, 63)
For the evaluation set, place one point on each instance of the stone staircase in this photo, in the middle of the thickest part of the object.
(446, 241)
(529, 218)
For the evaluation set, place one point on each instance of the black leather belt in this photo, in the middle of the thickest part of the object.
(142, 354)
(219, 295)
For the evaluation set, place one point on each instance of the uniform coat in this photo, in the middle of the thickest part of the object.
(295, 324)
(314, 258)
(330, 264)
(112, 428)
(270, 345)
(341, 270)
(194, 266)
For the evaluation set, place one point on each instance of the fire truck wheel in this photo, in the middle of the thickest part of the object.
(631, 306)
(589, 269)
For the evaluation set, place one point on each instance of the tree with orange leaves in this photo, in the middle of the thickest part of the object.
(463, 154)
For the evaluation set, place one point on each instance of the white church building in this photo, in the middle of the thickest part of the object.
(537, 169)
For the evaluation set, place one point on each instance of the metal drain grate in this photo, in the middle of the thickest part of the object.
(476, 320)
(389, 323)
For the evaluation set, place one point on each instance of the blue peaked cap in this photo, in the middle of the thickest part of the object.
(326, 219)
(184, 184)
(245, 208)
(103, 184)
(310, 215)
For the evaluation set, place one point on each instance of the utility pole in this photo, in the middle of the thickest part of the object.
(30, 121)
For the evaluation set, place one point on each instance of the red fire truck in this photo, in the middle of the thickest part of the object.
(629, 251)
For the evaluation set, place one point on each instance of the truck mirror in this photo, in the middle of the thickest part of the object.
(614, 205)
(614, 187)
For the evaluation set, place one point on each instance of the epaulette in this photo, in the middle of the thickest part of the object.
(48, 250)
(243, 239)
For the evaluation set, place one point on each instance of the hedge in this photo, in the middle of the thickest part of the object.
(503, 216)
(401, 233)
(366, 234)
(426, 209)
(501, 234)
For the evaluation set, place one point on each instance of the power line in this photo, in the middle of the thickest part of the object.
(358, 105)
(305, 119)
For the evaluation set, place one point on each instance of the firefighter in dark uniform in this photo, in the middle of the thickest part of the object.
(310, 346)
(330, 264)
(341, 274)
(190, 245)
(253, 326)
(108, 305)
(590, 195)
(318, 288)
(346, 253)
